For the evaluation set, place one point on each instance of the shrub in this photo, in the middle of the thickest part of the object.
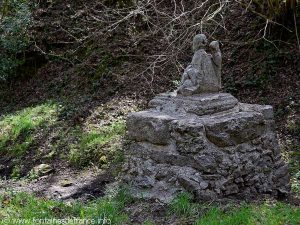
(14, 38)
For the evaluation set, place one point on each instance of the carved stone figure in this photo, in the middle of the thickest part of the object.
(217, 59)
(204, 72)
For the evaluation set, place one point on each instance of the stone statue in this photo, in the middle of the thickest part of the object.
(209, 144)
(204, 72)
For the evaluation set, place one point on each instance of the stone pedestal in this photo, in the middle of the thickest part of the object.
(210, 145)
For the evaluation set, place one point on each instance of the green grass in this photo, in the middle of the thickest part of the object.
(22, 132)
(14, 206)
(147, 222)
(266, 213)
(263, 214)
(97, 145)
(104, 135)
(182, 205)
(17, 129)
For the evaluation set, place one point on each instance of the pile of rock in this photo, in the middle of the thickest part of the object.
(208, 144)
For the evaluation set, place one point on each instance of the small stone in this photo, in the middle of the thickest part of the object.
(66, 183)
(42, 169)
(239, 180)
(206, 162)
(203, 185)
(232, 189)
(144, 181)
(103, 159)
(281, 172)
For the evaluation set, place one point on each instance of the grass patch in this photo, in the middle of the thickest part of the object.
(17, 129)
(266, 213)
(182, 205)
(98, 145)
(248, 214)
(148, 223)
(25, 207)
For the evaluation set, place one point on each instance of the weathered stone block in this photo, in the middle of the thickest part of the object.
(189, 136)
(234, 128)
(265, 110)
(149, 126)
(209, 145)
(196, 104)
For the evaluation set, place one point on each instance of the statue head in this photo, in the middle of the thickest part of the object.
(214, 46)
(199, 42)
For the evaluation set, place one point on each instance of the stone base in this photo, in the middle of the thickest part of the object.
(209, 145)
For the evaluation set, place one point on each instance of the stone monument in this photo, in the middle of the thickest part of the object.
(200, 140)
(204, 72)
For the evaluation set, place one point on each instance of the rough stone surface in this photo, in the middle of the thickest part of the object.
(207, 144)
(203, 74)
